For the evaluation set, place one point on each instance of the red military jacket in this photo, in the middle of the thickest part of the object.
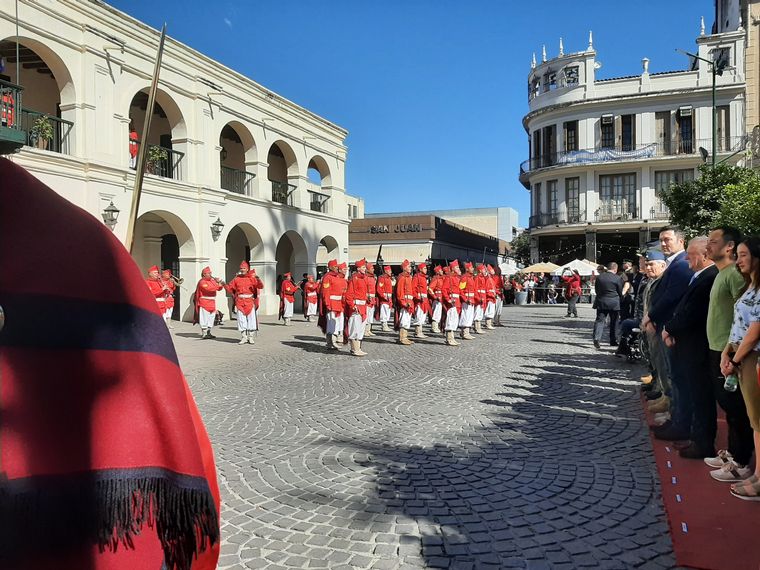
(357, 294)
(384, 289)
(205, 294)
(498, 283)
(420, 288)
(490, 289)
(436, 286)
(157, 289)
(170, 293)
(371, 290)
(288, 290)
(333, 289)
(245, 291)
(480, 289)
(311, 291)
(467, 288)
(451, 292)
(405, 291)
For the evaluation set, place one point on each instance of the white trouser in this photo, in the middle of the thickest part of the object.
(452, 319)
(467, 316)
(478, 313)
(385, 313)
(499, 306)
(490, 310)
(334, 323)
(246, 322)
(355, 327)
(437, 311)
(420, 316)
(370, 315)
(132, 161)
(311, 309)
(287, 310)
(168, 313)
(206, 318)
(405, 319)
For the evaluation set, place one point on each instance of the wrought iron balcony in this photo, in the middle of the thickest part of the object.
(557, 218)
(238, 181)
(12, 134)
(59, 142)
(163, 162)
(282, 192)
(318, 202)
(616, 211)
(659, 212)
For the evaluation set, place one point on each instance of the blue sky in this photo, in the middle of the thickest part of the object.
(432, 92)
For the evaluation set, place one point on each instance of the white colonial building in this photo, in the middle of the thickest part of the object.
(222, 147)
(601, 150)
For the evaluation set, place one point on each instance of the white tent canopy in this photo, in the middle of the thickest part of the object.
(508, 268)
(582, 267)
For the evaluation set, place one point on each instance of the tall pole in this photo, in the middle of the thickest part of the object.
(18, 60)
(142, 153)
(714, 120)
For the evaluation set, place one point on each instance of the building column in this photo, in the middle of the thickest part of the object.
(534, 251)
(643, 237)
(260, 187)
(591, 245)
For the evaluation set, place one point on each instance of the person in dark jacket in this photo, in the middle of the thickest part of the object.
(686, 335)
(609, 292)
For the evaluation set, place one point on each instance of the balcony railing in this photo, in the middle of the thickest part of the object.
(12, 135)
(601, 154)
(659, 212)
(163, 162)
(238, 181)
(282, 192)
(616, 211)
(318, 202)
(60, 142)
(559, 218)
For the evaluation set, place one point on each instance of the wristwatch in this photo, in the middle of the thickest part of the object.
(735, 364)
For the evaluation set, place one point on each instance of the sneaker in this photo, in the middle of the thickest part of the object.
(661, 418)
(723, 457)
(731, 472)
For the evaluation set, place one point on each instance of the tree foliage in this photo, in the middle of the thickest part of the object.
(520, 247)
(722, 195)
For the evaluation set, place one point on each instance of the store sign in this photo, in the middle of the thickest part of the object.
(379, 229)
(398, 228)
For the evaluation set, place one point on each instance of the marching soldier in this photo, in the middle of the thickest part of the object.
(371, 298)
(467, 297)
(384, 291)
(205, 301)
(157, 288)
(421, 304)
(490, 310)
(452, 301)
(166, 277)
(244, 289)
(356, 297)
(498, 281)
(310, 295)
(287, 298)
(404, 303)
(435, 292)
(332, 291)
(480, 298)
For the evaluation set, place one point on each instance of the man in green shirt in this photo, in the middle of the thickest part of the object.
(730, 465)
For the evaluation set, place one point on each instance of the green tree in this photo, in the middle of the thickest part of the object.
(520, 247)
(722, 195)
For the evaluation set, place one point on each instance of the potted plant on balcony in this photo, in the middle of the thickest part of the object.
(156, 157)
(41, 132)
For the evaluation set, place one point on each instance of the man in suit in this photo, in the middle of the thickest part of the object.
(673, 285)
(686, 335)
(609, 292)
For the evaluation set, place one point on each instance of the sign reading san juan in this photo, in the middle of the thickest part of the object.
(398, 228)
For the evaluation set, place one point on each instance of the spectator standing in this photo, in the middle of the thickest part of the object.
(731, 464)
(609, 291)
(572, 281)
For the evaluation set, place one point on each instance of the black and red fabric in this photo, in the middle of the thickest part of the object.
(104, 460)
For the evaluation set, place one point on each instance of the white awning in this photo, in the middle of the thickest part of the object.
(393, 253)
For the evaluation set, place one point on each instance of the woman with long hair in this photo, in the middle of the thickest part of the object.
(740, 355)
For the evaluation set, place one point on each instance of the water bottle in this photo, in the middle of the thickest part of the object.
(731, 383)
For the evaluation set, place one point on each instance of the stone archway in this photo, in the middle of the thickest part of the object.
(292, 257)
(243, 243)
(327, 249)
(238, 156)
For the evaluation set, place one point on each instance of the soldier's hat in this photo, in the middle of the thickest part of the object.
(361, 263)
(387, 268)
(454, 264)
(244, 265)
(153, 268)
(333, 263)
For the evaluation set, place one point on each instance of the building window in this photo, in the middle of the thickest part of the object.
(537, 156)
(723, 128)
(608, 131)
(571, 76)
(534, 87)
(356, 211)
(551, 188)
(537, 198)
(663, 180)
(662, 132)
(618, 197)
(685, 125)
(349, 210)
(628, 131)
(571, 136)
(550, 145)
(573, 200)
(550, 81)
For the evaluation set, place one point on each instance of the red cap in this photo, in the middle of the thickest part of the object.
(421, 264)
(387, 268)
(153, 268)
(437, 268)
(244, 265)
(480, 267)
(361, 263)
(206, 269)
(333, 263)
(490, 268)
(447, 270)
(343, 266)
(287, 275)
(468, 265)
(370, 266)
(167, 271)
(454, 264)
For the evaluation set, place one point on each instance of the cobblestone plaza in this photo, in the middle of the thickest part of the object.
(524, 448)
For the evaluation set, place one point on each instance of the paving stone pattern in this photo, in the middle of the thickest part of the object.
(524, 448)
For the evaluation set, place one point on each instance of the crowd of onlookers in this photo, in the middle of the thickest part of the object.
(545, 288)
(694, 314)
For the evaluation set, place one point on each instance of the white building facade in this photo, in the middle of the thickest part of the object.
(222, 147)
(602, 150)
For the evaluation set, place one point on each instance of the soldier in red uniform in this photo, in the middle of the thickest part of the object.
(244, 289)
(205, 301)
(490, 310)
(311, 296)
(452, 301)
(371, 299)
(287, 298)
(498, 283)
(166, 277)
(435, 294)
(404, 303)
(356, 299)
(157, 288)
(333, 290)
(467, 292)
(421, 304)
(384, 292)
(480, 298)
